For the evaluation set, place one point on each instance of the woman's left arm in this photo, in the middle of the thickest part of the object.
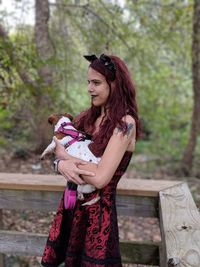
(112, 155)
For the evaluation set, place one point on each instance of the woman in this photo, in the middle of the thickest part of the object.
(87, 236)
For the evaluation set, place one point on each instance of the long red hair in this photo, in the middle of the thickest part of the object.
(121, 101)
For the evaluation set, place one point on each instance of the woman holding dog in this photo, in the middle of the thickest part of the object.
(87, 236)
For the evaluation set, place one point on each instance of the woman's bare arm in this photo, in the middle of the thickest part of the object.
(112, 156)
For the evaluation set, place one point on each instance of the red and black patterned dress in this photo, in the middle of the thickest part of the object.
(88, 235)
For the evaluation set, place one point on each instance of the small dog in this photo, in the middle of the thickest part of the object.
(76, 144)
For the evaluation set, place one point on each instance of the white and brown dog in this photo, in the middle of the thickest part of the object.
(75, 143)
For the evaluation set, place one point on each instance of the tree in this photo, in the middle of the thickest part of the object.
(153, 37)
(34, 69)
(188, 156)
(45, 53)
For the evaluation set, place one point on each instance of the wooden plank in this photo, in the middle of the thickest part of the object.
(2, 258)
(12, 242)
(162, 248)
(48, 201)
(32, 182)
(141, 187)
(140, 252)
(180, 227)
(139, 206)
(29, 200)
(126, 186)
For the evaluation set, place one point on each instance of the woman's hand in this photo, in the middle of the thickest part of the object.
(69, 169)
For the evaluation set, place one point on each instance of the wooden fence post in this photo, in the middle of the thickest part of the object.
(2, 258)
(180, 227)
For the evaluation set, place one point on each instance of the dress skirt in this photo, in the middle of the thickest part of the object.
(86, 236)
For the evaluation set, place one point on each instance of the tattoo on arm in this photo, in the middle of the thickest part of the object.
(128, 130)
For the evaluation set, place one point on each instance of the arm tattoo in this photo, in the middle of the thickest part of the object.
(128, 129)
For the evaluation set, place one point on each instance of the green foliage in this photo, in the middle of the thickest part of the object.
(153, 37)
(6, 125)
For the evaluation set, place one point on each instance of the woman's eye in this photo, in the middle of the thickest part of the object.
(96, 83)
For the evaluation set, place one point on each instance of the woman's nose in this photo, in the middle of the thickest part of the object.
(90, 87)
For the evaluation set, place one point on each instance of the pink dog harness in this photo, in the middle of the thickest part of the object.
(76, 136)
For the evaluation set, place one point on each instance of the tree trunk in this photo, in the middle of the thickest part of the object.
(43, 42)
(45, 52)
(188, 156)
(41, 87)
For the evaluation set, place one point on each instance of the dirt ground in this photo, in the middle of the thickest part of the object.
(130, 228)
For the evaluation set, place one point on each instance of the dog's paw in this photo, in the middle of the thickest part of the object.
(42, 157)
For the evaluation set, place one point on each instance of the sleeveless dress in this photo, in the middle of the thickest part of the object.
(87, 236)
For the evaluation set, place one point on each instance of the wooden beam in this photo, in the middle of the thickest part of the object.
(180, 228)
(29, 200)
(140, 206)
(48, 201)
(2, 257)
(126, 186)
(12, 242)
(140, 252)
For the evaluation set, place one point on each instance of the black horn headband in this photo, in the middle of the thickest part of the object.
(103, 59)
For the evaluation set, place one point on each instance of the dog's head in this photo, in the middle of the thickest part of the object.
(54, 118)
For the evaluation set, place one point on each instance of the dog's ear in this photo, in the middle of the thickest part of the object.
(51, 119)
(68, 116)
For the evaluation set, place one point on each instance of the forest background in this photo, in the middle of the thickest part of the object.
(43, 71)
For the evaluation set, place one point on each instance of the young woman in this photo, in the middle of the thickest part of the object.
(87, 236)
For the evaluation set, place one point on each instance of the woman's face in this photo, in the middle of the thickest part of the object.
(98, 88)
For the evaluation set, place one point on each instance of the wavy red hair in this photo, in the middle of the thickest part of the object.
(122, 100)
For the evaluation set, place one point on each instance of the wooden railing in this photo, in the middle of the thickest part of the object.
(170, 201)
